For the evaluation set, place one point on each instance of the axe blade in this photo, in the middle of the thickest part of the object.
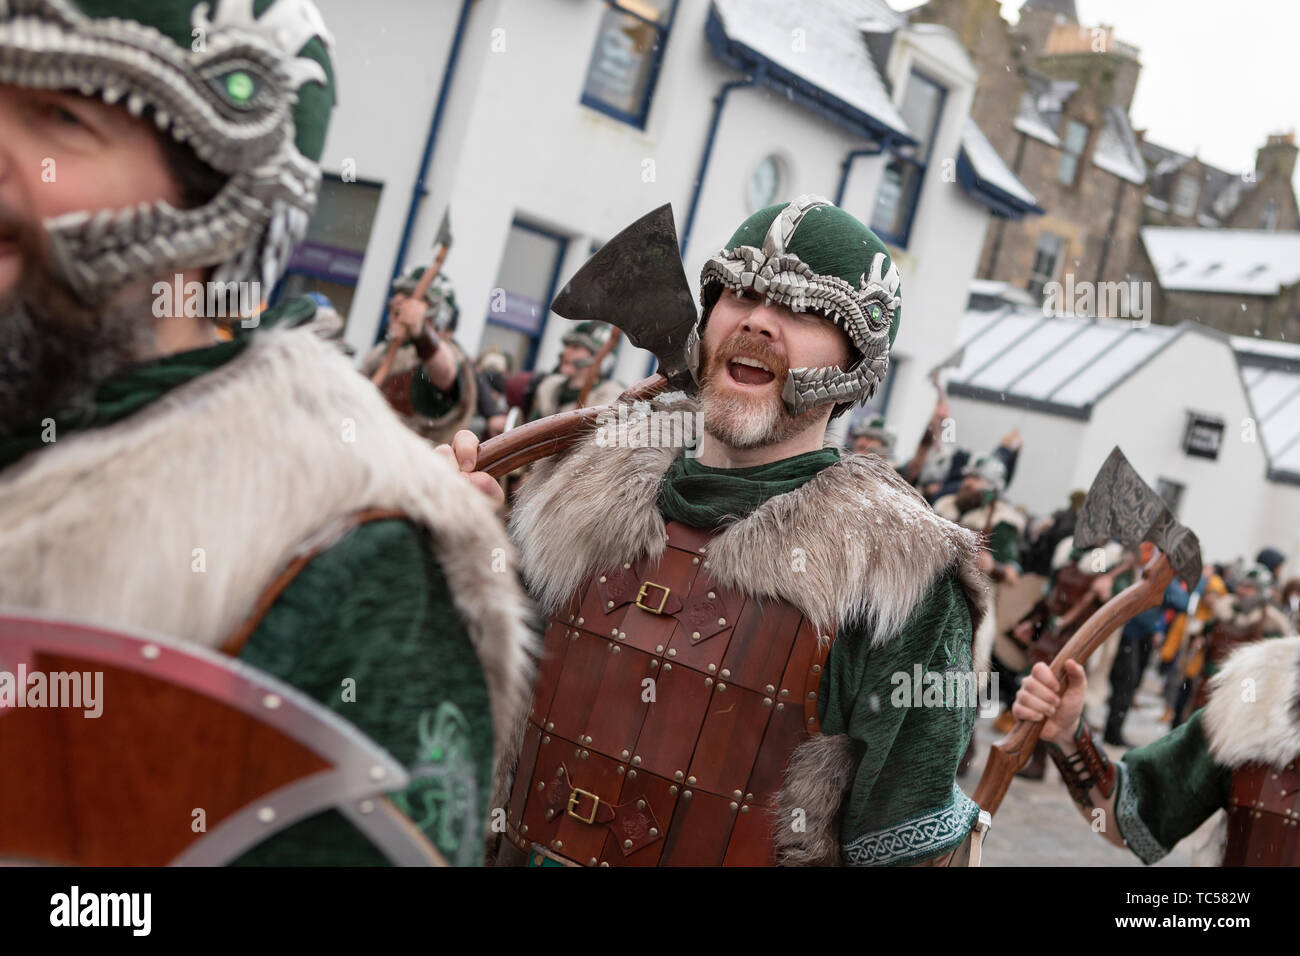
(443, 238)
(1121, 505)
(636, 282)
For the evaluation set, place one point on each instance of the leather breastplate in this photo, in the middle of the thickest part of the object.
(1070, 585)
(664, 714)
(1264, 816)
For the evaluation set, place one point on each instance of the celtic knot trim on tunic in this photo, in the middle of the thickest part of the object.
(923, 836)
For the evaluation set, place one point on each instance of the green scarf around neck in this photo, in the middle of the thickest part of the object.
(704, 497)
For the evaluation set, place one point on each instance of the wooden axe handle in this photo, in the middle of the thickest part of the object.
(421, 288)
(1014, 750)
(593, 371)
(547, 436)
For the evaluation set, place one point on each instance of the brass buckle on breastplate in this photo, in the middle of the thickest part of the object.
(575, 796)
(663, 598)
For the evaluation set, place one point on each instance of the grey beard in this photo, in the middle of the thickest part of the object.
(55, 352)
(742, 425)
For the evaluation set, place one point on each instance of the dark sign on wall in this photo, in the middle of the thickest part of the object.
(1203, 436)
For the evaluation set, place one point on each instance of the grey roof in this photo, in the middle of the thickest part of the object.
(1064, 365)
(1271, 373)
(1116, 148)
(1058, 364)
(1221, 191)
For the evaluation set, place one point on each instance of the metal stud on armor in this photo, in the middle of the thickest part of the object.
(1264, 816)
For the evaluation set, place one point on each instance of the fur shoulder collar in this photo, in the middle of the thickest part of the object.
(176, 518)
(854, 544)
(1254, 710)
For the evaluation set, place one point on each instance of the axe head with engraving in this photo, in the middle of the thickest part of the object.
(636, 282)
(1121, 505)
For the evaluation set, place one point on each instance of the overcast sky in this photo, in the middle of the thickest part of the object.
(1217, 77)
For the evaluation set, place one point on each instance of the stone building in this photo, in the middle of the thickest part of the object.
(1186, 191)
(1053, 99)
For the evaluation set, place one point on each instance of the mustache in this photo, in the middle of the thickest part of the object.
(749, 345)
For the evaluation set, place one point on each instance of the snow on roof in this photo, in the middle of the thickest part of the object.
(834, 57)
(989, 166)
(1067, 364)
(1061, 361)
(1117, 150)
(1242, 261)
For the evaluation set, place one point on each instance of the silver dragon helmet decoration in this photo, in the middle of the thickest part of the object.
(228, 84)
(865, 311)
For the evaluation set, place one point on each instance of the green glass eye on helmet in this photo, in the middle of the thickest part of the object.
(812, 256)
(247, 85)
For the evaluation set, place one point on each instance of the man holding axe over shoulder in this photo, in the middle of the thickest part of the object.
(424, 375)
(730, 616)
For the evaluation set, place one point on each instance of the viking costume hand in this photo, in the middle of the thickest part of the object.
(463, 452)
(1040, 697)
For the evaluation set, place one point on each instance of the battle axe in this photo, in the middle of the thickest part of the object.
(636, 283)
(1119, 505)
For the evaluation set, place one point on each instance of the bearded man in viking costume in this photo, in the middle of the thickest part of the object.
(254, 495)
(732, 671)
(1239, 754)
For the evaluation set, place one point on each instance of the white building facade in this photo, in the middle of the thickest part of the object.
(1212, 422)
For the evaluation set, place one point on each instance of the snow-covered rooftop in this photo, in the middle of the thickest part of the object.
(832, 57)
(989, 166)
(1065, 365)
(1062, 362)
(1242, 261)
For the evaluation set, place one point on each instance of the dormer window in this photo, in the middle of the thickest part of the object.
(1072, 146)
(1186, 193)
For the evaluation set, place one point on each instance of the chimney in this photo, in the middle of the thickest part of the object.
(1276, 157)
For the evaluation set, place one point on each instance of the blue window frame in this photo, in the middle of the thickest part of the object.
(625, 60)
(900, 188)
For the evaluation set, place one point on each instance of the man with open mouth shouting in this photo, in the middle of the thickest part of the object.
(752, 650)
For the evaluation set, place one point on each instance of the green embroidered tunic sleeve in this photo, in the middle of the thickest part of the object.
(910, 707)
(368, 629)
(1167, 789)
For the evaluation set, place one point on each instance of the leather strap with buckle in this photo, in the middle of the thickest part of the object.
(630, 823)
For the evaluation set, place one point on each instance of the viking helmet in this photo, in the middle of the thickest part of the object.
(811, 256)
(247, 85)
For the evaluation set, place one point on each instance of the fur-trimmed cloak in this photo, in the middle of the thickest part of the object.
(176, 518)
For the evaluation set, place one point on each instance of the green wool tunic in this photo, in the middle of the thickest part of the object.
(1167, 789)
(367, 629)
(904, 805)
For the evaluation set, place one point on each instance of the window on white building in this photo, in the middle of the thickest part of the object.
(329, 260)
(625, 61)
(1186, 193)
(521, 298)
(900, 186)
(1072, 144)
(1047, 262)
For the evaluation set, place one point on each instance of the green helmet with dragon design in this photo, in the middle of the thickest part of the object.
(812, 256)
(246, 85)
